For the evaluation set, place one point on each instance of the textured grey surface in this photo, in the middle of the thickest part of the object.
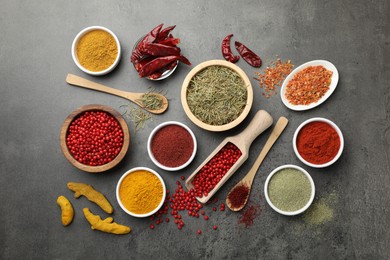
(35, 41)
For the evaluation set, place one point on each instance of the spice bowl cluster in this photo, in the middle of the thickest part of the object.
(172, 146)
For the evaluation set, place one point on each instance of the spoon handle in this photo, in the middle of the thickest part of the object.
(84, 83)
(276, 132)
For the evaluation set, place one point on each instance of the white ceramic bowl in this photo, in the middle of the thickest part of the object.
(335, 79)
(74, 54)
(119, 199)
(335, 127)
(155, 130)
(289, 213)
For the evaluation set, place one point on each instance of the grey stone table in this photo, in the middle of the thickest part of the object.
(35, 41)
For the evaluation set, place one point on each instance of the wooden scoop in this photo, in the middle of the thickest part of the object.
(248, 179)
(133, 97)
(261, 121)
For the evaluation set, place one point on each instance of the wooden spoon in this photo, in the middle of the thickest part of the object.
(133, 97)
(260, 122)
(248, 179)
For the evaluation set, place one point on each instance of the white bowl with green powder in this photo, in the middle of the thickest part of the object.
(289, 190)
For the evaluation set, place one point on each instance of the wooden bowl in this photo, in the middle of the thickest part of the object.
(240, 118)
(73, 116)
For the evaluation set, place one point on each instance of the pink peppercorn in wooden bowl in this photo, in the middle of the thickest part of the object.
(94, 138)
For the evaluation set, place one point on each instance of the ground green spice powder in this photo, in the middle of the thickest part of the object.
(321, 211)
(289, 189)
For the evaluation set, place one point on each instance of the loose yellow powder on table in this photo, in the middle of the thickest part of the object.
(97, 50)
(141, 192)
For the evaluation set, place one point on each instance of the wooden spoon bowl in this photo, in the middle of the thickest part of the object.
(64, 133)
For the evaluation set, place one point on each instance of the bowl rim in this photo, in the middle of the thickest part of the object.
(289, 213)
(81, 34)
(165, 74)
(334, 126)
(149, 148)
(94, 107)
(120, 182)
(243, 114)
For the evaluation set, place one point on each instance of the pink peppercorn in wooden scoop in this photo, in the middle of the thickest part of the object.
(261, 121)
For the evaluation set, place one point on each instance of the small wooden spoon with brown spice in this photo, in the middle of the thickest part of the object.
(239, 194)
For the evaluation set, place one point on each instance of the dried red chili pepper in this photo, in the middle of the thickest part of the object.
(163, 34)
(248, 55)
(170, 41)
(159, 50)
(227, 52)
(159, 63)
(150, 37)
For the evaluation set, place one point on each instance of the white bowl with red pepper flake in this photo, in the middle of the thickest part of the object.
(298, 95)
(172, 146)
(94, 138)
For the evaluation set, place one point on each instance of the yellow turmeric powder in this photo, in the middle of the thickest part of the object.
(97, 50)
(141, 192)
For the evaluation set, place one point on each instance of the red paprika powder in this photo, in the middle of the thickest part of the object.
(238, 195)
(318, 142)
(172, 146)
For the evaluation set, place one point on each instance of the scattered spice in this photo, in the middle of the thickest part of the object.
(248, 216)
(217, 95)
(289, 189)
(214, 170)
(238, 195)
(96, 50)
(94, 138)
(172, 145)
(321, 211)
(141, 192)
(137, 115)
(273, 76)
(308, 85)
(318, 142)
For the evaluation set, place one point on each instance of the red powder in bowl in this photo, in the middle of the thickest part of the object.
(172, 146)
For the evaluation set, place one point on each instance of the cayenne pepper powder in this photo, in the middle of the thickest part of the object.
(238, 195)
(172, 145)
(318, 142)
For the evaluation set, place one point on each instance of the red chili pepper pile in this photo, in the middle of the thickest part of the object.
(157, 52)
(95, 138)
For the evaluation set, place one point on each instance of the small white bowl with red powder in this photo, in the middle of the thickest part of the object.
(172, 146)
(318, 142)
